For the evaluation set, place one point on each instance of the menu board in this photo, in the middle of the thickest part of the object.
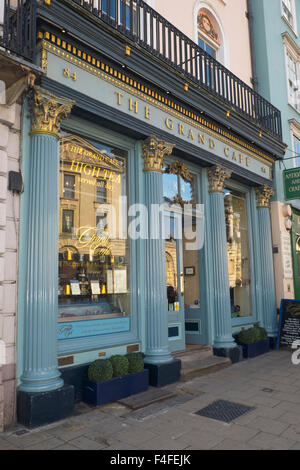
(289, 323)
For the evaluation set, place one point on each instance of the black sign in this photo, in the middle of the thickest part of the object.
(289, 323)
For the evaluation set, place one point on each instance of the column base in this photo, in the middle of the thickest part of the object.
(164, 374)
(37, 409)
(235, 354)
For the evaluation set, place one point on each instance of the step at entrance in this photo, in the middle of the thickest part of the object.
(199, 362)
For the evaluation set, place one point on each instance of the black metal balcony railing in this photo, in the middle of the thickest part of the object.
(143, 25)
(152, 32)
(19, 28)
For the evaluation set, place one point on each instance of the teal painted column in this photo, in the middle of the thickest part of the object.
(40, 372)
(263, 195)
(222, 309)
(157, 343)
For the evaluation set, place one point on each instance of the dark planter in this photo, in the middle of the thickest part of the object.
(255, 349)
(100, 393)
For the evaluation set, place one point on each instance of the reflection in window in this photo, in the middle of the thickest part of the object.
(238, 253)
(93, 252)
(178, 188)
(67, 221)
(69, 186)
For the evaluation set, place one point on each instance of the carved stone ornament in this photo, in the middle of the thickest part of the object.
(263, 196)
(217, 176)
(154, 151)
(179, 168)
(48, 111)
(206, 24)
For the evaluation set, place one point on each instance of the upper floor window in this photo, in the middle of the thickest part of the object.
(209, 34)
(288, 12)
(296, 145)
(292, 76)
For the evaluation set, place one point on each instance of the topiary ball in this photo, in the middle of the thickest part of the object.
(100, 370)
(136, 362)
(120, 365)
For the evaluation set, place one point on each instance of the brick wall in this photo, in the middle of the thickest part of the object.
(9, 226)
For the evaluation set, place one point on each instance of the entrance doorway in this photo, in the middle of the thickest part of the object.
(187, 323)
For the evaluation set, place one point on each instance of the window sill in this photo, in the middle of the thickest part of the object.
(294, 109)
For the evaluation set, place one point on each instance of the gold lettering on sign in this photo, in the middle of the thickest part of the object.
(147, 112)
(226, 151)
(212, 143)
(201, 139)
(119, 97)
(191, 135)
(247, 161)
(180, 129)
(169, 123)
(133, 105)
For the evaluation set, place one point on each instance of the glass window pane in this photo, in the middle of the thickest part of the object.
(238, 253)
(94, 256)
(170, 186)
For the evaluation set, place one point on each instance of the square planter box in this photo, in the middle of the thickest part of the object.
(100, 393)
(255, 349)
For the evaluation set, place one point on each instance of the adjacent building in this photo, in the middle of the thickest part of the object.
(137, 114)
(276, 49)
(17, 75)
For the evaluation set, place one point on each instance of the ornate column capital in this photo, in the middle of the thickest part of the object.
(154, 151)
(263, 196)
(48, 111)
(217, 176)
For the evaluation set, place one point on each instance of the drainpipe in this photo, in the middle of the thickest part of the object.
(249, 15)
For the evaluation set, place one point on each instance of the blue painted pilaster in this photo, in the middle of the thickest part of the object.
(157, 343)
(40, 372)
(263, 196)
(222, 309)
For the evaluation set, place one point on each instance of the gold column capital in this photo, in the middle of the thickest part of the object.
(263, 196)
(48, 111)
(217, 175)
(154, 151)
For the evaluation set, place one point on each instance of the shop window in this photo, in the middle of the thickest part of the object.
(69, 186)
(93, 249)
(238, 253)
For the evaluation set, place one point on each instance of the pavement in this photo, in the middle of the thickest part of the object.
(268, 384)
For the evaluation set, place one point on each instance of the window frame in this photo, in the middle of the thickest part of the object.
(247, 320)
(293, 23)
(92, 131)
(291, 53)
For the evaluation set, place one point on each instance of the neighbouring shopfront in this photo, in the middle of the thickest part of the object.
(295, 240)
(109, 264)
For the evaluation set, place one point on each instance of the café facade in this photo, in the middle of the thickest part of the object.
(109, 132)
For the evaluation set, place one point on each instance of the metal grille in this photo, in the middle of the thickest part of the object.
(224, 411)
